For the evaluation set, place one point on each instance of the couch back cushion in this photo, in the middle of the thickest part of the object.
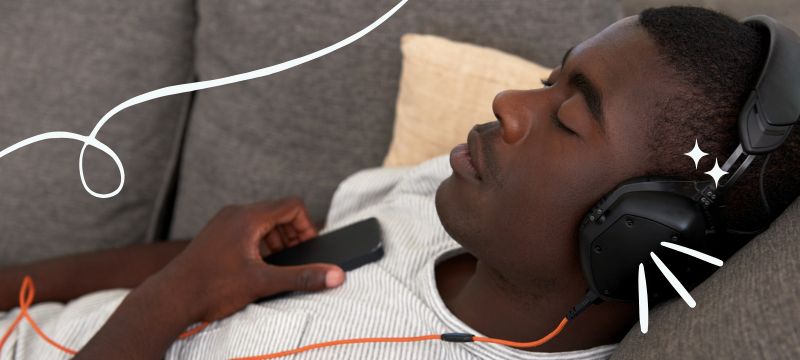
(444, 87)
(63, 65)
(301, 131)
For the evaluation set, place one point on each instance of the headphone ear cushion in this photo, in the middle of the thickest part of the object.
(613, 244)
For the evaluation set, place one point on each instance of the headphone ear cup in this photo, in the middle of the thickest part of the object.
(615, 238)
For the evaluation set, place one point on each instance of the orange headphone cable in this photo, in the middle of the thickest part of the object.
(449, 337)
(26, 295)
(27, 292)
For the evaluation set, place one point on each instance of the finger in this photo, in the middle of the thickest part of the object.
(263, 248)
(290, 211)
(290, 232)
(285, 235)
(281, 229)
(274, 241)
(312, 277)
(301, 224)
(303, 227)
(292, 238)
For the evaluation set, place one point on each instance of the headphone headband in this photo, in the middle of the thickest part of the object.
(773, 107)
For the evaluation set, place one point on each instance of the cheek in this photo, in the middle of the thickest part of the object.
(553, 192)
(555, 180)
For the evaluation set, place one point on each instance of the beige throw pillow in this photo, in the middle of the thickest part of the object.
(446, 87)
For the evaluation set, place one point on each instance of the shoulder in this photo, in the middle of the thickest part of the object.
(365, 190)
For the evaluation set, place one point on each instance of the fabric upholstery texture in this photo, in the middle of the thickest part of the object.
(63, 65)
(447, 87)
(786, 11)
(303, 130)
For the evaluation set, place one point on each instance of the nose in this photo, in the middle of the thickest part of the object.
(513, 109)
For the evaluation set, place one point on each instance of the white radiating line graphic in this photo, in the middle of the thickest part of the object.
(693, 253)
(643, 307)
(673, 281)
(643, 304)
(179, 89)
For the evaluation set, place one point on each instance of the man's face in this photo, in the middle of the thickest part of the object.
(551, 155)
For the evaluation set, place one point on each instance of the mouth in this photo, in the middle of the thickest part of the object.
(464, 158)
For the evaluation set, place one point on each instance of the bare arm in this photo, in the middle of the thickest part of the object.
(69, 277)
(149, 319)
(218, 274)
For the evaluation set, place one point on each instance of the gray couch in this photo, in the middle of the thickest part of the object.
(300, 132)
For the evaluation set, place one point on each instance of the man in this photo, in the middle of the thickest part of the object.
(627, 102)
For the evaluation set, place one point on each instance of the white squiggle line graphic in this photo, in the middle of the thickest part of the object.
(179, 89)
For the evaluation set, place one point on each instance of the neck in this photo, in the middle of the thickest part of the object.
(485, 301)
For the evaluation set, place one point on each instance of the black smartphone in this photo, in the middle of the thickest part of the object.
(349, 247)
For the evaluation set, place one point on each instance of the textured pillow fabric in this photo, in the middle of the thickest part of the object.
(301, 131)
(748, 309)
(63, 65)
(446, 87)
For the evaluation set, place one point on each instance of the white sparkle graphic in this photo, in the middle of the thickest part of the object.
(716, 173)
(696, 154)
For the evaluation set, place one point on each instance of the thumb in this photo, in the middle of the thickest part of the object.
(311, 277)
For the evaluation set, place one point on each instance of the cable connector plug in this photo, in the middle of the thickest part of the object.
(457, 337)
(588, 299)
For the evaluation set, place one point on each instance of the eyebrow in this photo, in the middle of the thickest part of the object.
(586, 87)
(566, 55)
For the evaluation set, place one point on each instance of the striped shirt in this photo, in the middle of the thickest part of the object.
(393, 297)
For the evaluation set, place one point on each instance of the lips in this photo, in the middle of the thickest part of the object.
(474, 146)
(463, 158)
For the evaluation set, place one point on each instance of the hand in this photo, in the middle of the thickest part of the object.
(222, 270)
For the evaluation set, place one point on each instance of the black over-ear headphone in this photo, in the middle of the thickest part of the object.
(632, 220)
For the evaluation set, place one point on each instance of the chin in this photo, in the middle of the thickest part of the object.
(453, 212)
(444, 205)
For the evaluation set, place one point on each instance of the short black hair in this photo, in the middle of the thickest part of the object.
(716, 61)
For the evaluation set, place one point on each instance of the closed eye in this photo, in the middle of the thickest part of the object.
(557, 122)
(553, 117)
